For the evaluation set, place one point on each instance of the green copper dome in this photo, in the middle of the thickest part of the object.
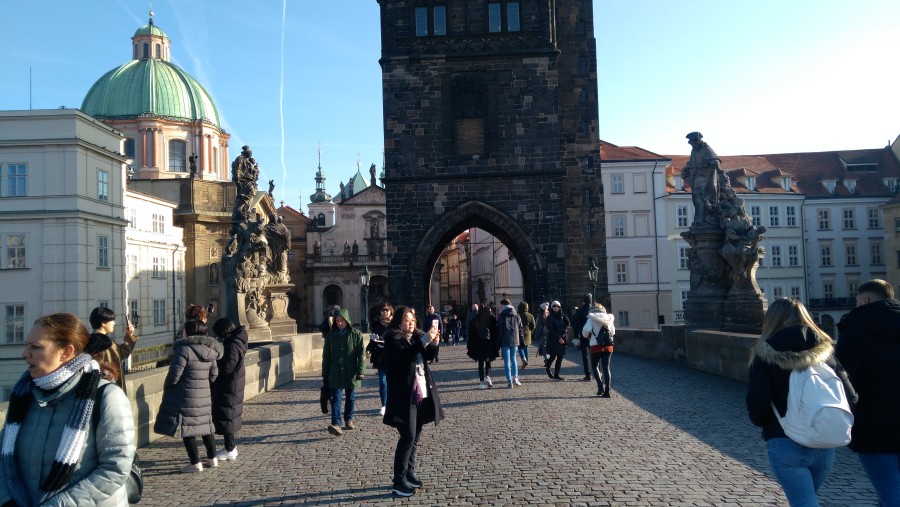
(149, 88)
(150, 29)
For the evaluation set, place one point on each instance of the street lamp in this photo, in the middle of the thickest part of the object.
(364, 282)
(592, 274)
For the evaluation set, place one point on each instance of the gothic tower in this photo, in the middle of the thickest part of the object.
(490, 117)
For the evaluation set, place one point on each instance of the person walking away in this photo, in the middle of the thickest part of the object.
(228, 389)
(528, 325)
(343, 368)
(869, 349)
(579, 318)
(540, 330)
(430, 318)
(599, 325)
(103, 322)
(375, 350)
(557, 325)
(482, 345)
(413, 399)
(187, 399)
(56, 450)
(510, 332)
(454, 329)
(790, 340)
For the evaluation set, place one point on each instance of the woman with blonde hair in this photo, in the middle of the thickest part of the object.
(790, 340)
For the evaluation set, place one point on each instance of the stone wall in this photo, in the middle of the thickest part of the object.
(267, 367)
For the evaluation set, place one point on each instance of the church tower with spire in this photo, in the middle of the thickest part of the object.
(321, 207)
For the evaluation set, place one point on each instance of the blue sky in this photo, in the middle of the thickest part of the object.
(287, 76)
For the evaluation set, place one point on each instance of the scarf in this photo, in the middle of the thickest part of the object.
(74, 434)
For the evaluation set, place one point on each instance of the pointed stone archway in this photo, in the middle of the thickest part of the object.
(488, 218)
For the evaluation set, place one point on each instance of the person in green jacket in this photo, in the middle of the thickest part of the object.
(343, 367)
(528, 326)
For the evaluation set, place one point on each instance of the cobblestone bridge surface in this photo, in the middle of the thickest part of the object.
(669, 436)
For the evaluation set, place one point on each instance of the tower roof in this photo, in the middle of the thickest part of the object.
(150, 86)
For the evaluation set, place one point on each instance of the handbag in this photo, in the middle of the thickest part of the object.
(134, 483)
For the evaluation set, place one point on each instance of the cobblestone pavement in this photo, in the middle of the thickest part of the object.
(669, 436)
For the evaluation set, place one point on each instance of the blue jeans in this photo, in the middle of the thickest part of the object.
(800, 470)
(884, 471)
(510, 365)
(349, 406)
(523, 352)
(382, 386)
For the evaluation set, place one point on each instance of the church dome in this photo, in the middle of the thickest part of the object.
(150, 86)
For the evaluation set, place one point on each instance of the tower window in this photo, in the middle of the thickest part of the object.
(504, 20)
(146, 50)
(438, 19)
(177, 154)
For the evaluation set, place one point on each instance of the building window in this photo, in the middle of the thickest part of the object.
(103, 185)
(618, 183)
(684, 298)
(851, 255)
(681, 214)
(438, 17)
(786, 183)
(825, 255)
(874, 219)
(776, 256)
(129, 149)
(640, 184)
(777, 292)
(132, 266)
(773, 217)
(133, 309)
(751, 183)
(588, 230)
(320, 220)
(15, 323)
(16, 180)
(103, 251)
(828, 290)
(15, 251)
(849, 222)
(683, 257)
(440, 20)
(795, 291)
(621, 269)
(623, 318)
(159, 267)
(132, 218)
(793, 256)
(496, 15)
(756, 214)
(790, 216)
(159, 312)
(852, 286)
(159, 223)
(876, 254)
(618, 222)
(177, 156)
(824, 220)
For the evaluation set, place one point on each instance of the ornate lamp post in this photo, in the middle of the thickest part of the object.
(592, 274)
(364, 278)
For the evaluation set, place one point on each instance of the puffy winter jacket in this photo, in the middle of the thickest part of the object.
(187, 400)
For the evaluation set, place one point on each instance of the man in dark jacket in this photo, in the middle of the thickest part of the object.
(510, 335)
(578, 322)
(869, 350)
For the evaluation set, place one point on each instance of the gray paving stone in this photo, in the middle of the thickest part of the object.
(670, 436)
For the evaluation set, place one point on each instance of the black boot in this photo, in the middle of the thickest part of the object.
(548, 372)
(606, 392)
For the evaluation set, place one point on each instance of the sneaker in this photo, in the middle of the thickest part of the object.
(549, 373)
(189, 469)
(488, 382)
(349, 425)
(382, 410)
(335, 430)
(226, 455)
(524, 363)
(481, 385)
(212, 462)
(557, 377)
(509, 385)
(413, 481)
(403, 489)
(516, 381)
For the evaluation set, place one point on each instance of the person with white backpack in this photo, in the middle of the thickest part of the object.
(792, 351)
(598, 331)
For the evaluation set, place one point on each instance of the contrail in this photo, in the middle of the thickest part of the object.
(281, 99)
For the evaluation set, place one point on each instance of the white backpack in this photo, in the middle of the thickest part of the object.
(818, 414)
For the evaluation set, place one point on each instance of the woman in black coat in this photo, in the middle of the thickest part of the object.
(228, 389)
(483, 345)
(556, 326)
(412, 399)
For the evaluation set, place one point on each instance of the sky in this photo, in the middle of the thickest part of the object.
(292, 77)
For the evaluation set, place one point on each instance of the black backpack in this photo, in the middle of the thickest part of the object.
(604, 339)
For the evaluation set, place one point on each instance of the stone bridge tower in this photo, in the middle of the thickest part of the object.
(490, 121)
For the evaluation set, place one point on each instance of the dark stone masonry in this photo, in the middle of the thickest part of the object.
(490, 114)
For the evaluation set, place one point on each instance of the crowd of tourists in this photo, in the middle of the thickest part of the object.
(402, 348)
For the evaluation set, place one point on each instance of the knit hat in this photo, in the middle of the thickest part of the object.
(544, 306)
(556, 303)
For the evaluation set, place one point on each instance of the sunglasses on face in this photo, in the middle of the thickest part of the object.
(555, 306)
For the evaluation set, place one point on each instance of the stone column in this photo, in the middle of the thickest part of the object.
(705, 305)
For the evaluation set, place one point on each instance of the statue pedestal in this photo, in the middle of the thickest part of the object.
(744, 312)
(280, 324)
(709, 278)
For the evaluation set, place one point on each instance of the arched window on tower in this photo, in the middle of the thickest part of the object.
(129, 148)
(134, 53)
(146, 50)
(320, 220)
(158, 51)
(177, 156)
